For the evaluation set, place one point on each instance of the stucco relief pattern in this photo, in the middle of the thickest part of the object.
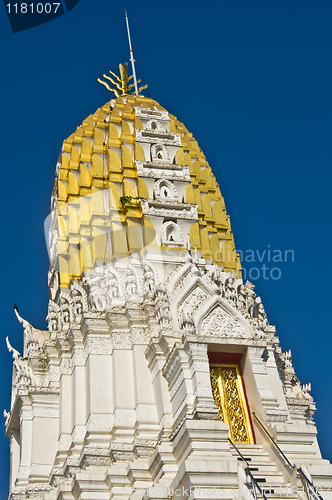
(218, 322)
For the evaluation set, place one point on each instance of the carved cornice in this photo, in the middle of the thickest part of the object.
(152, 137)
(148, 113)
(166, 208)
(163, 170)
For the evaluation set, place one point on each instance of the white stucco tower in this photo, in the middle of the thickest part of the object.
(160, 376)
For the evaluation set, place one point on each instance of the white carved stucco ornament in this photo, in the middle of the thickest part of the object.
(131, 286)
(24, 374)
(238, 299)
(106, 288)
(206, 302)
(219, 322)
(193, 301)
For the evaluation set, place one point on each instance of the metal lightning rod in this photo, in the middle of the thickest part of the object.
(132, 60)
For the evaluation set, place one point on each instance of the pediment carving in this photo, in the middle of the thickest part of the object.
(219, 322)
(192, 301)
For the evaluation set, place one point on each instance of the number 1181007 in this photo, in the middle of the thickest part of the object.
(25, 8)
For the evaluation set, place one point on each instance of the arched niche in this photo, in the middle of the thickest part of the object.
(66, 311)
(53, 316)
(154, 126)
(159, 152)
(165, 190)
(79, 298)
(171, 234)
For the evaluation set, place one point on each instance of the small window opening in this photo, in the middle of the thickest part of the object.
(170, 233)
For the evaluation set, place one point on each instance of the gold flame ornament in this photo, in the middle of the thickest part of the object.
(121, 83)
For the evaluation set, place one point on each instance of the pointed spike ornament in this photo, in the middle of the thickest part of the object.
(15, 353)
(196, 254)
(189, 244)
(29, 332)
(131, 52)
(121, 83)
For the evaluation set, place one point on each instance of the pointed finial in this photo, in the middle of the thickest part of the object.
(196, 254)
(29, 331)
(11, 349)
(189, 244)
(188, 257)
(25, 323)
(131, 52)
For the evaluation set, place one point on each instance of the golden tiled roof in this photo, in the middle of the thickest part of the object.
(99, 160)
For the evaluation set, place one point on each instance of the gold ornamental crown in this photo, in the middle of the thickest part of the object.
(121, 83)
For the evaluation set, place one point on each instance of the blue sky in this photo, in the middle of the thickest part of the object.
(252, 81)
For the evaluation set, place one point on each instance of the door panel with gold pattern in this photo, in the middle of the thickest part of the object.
(228, 392)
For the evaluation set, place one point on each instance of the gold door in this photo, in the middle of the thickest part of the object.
(228, 392)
